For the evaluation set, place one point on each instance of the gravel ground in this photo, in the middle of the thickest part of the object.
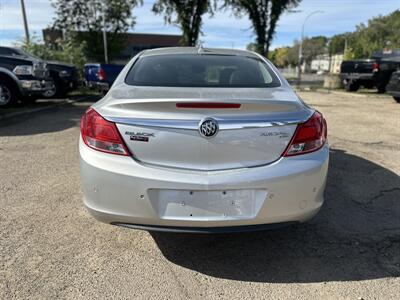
(51, 248)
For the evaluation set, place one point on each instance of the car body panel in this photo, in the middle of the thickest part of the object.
(119, 189)
(178, 178)
(65, 75)
(256, 134)
(229, 149)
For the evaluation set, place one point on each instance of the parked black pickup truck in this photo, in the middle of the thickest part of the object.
(370, 73)
(22, 78)
(393, 87)
(64, 76)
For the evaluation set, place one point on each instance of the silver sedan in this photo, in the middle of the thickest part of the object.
(202, 140)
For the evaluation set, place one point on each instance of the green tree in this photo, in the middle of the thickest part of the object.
(187, 14)
(84, 20)
(68, 51)
(376, 35)
(293, 54)
(280, 56)
(264, 16)
(337, 43)
(252, 47)
(314, 46)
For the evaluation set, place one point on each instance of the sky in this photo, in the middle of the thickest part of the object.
(221, 30)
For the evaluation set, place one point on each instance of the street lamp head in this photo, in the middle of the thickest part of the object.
(305, 20)
(313, 13)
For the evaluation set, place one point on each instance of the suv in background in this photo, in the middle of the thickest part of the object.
(64, 76)
(21, 78)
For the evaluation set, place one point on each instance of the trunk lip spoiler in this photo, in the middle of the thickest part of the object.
(223, 123)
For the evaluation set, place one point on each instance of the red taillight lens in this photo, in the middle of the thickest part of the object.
(100, 134)
(309, 136)
(101, 75)
(375, 67)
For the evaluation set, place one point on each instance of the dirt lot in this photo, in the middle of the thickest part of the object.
(51, 248)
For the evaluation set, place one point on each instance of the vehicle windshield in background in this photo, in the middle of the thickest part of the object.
(193, 70)
(16, 52)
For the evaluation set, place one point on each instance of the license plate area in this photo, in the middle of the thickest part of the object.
(207, 205)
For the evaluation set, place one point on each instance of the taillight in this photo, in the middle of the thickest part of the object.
(309, 136)
(101, 75)
(101, 135)
(375, 67)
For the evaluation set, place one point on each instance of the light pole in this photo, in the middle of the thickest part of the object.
(301, 46)
(105, 35)
(25, 21)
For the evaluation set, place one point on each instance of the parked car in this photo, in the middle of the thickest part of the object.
(22, 78)
(202, 140)
(393, 87)
(370, 73)
(100, 77)
(64, 76)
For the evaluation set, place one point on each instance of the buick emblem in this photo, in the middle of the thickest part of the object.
(208, 127)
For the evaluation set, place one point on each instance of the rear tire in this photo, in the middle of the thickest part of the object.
(8, 93)
(58, 91)
(52, 93)
(381, 89)
(352, 86)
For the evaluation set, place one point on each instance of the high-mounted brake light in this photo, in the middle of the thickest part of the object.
(207, 105)
(101, 135)
(309, 136)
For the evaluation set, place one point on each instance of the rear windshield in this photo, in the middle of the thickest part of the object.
(191, 70)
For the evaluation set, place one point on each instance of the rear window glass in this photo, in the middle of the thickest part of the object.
(191, 70)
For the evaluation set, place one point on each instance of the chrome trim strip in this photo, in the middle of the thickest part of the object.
(248, 124)
(224, 124)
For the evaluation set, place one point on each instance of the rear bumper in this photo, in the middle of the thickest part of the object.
(225, 229)
(356, 76)
(120, 191)
(98, 86)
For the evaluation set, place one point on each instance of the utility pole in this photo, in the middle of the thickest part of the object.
(301, 46)
(105, 36)
(25, 21)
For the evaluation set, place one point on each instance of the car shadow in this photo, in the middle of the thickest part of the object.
(356, 235)
(52, 118)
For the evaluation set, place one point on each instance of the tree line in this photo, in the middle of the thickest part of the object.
(82, 21)
(377, 34)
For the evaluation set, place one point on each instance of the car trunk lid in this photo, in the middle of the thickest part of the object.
(253, 128)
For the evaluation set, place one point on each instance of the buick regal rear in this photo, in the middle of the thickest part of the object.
(202, 140)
